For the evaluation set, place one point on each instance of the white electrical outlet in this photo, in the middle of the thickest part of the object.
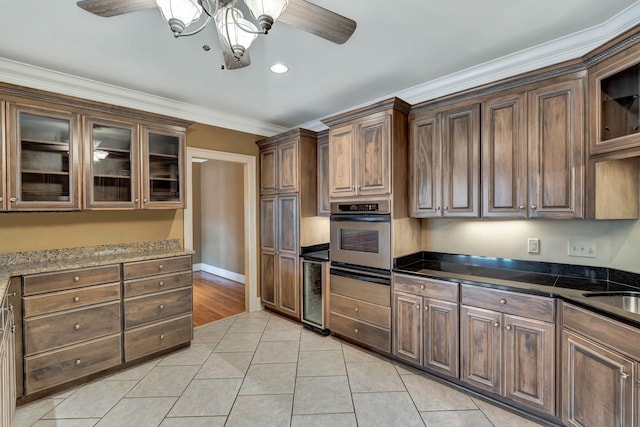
(533, 245)
(582, 248)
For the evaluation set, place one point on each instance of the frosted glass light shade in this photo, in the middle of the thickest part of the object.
(271, 8)
(180, 12)
(236, 33)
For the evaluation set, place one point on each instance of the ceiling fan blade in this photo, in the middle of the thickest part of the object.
(108, 8)
(319, 21)
(230, 61)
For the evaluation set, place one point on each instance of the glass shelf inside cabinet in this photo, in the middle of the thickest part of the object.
(111, 152)
(620, 112)
(164, 168)
(44, 158)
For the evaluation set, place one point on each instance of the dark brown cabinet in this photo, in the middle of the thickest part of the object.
(43, 159)
(279, 168)
(3, 158)
(507, 345)
(425, 323)
(324, 207)
(445, 161)
(162, 167)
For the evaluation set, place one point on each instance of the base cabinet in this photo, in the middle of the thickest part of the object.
(7, 364)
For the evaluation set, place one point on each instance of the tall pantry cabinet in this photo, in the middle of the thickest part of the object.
(288, 196)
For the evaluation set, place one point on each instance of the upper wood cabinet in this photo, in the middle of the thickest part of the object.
(364, 147)
(279, 168)
(556, 150)
(445, 161)
(162, 167)
(43, 159)
(323, 174)
(3, 158)
(614, 102)
(111, 164)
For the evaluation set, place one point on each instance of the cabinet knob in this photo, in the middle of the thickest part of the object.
(508, 327)
(446, 208)
(356, 309)
(76, 327)
(534, 207)
(437, 208)
(13, 199)
(161, 283)
(421, 286)
(356, 330)
(76, 278)
(13, 328)
(78, 361)
(496, 325)
(145, 200)
(160, 267)
(137, 200)
(426, 308)
(1, 199)
(76, 299)
(161, 306)
(162, 337)
(624, 375)
(503, 301)
(417, 307)
(521, 207)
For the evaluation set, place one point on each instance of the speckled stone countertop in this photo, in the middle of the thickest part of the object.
(21, 263)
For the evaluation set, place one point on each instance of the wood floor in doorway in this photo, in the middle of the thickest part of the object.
(215, 298)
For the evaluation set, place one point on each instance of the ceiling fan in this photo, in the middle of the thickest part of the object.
(235, 33)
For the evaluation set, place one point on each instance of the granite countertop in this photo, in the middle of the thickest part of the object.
(22, 263)
(571, 289)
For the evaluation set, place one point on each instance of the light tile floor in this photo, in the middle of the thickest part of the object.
(258, 369)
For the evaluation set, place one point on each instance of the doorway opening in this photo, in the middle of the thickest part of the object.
(228, 235)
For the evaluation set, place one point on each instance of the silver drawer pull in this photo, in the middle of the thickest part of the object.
(356, 330)
(13, 199)
(417, 307)
(161, 306)
(496, 325)
(426, 308)
(78, 361)
(508, 327)
(161, 283)
(160, 267)
(356, 309)
(162, 337)
(76, 299)
(624, 376)
(76, 278)
(76, 327)
(534, 207)
(421, 286)
(521, 207)
(503, 301)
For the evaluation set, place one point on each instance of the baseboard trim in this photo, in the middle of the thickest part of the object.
(219, 272)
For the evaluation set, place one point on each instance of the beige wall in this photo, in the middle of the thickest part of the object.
(196, 202)
(618, 242)
(222, 215)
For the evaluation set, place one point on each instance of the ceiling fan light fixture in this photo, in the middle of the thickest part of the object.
(266, 12)
(235, 31)
(179, 14)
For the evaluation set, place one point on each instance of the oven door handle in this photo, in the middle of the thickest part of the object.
(360, 218)
(362, 277)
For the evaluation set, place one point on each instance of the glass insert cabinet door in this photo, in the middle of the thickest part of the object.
(312, 293)
(111, 161)
(43, 159)
(163, 163)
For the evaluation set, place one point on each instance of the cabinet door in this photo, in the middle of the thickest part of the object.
(268, 278)
(43, 160)
(461, 161)
(480, 348)
(14, 294)
(324, 207)
(111, 164)
(287, 224)
(441, 336)
(3, 158)
(287, 284)
(504, 157)
(341, 162)
(287, 168)
(556, 151)
(162, 161)
(597, 384)
(268, 224)
(529, 366)
(268, 171)
(374, 157)
(407, 327)
(426, 166)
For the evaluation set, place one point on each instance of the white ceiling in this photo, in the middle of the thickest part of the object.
(414, 49)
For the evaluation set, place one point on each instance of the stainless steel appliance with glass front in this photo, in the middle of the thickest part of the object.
(361, 234)
(313, 292)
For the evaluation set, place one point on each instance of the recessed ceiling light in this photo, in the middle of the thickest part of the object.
(279, 68)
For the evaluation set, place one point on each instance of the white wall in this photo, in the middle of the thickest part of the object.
(618, 242)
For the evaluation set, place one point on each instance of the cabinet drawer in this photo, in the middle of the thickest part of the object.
(531, 306)
(362, 332)
(358, 289)
(69, 279)
(61, 366)
(159, 306)
(165, 282)
(47, 332)
(361, 310)
(439, 289)
(74, 298)
(134, 270)
(153, 338)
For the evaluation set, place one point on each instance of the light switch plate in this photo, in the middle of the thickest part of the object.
(533, 245)
(582, 248)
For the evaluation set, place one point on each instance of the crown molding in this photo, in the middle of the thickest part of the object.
(31, 76)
